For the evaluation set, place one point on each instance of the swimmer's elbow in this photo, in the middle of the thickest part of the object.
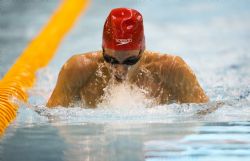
(203, 99)
(58, 98)
(51, 103)
(56, 102)
(200, 96)
(194, 99)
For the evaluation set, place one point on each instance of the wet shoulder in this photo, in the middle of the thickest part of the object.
(150, 57)
(95, 56)
(82, 61)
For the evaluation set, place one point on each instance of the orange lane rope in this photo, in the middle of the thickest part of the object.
(37, 54)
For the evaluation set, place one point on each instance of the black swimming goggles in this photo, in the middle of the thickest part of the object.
(129, 61)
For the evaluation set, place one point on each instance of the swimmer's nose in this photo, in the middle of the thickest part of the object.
(121, 70)
(121, 67)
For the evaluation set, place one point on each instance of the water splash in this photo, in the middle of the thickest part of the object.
(125, 95)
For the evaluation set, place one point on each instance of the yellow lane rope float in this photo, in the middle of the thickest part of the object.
(37, 54)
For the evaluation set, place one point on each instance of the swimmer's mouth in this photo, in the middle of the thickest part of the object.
(119, 79)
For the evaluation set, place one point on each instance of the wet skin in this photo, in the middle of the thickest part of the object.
(167, 78)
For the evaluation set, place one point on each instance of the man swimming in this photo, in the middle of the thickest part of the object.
(165, 77)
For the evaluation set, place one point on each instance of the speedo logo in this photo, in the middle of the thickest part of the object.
(123, 41)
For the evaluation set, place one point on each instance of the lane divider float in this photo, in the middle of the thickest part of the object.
(36, 55)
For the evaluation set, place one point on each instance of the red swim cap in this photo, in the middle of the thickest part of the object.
(123, 30)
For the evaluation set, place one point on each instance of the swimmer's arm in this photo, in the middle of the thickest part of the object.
(60, 95)
(69, 82)
(185, 84)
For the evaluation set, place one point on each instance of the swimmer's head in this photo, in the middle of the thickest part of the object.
(123, 30)
(123, 40)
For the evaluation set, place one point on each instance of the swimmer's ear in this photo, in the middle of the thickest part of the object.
(141, 52)
(103, 49)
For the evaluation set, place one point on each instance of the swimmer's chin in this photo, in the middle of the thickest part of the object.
(119, 79)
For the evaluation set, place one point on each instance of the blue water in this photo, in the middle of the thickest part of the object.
(211, 36)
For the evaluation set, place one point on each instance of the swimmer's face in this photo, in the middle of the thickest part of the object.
(120, 61)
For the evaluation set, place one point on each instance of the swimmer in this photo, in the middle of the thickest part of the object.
(167, 78)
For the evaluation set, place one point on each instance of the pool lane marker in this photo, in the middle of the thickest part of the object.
(36, 55)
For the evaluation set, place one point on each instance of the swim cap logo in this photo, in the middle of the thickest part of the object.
(123, 41)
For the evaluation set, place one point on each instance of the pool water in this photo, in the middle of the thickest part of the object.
(211, 36)
(128, 141)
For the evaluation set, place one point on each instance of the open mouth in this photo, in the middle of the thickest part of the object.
(119, 79)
